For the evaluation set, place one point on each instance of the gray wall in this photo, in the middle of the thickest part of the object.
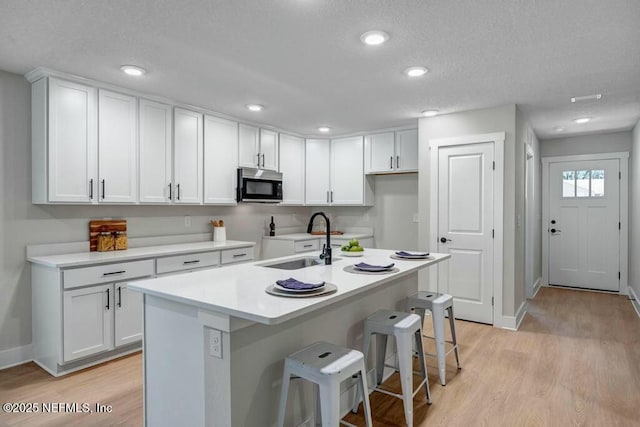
(396, 201)
(499, 119)
(634, 215)
(586, 144)
(22, 223)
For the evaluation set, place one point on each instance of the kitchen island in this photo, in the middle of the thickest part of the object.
(215, 341)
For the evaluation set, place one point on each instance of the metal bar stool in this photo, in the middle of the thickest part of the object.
(403, 327)
(437, 304)
(326, 365)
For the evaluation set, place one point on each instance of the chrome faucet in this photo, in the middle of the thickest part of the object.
(326, 249)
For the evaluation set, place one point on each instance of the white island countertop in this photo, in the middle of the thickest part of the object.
(239, 290)
(89, 258)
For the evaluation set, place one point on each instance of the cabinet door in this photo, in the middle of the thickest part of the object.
(128, 315)
(249, 145)
(317, 171)
(187, 155)
(155, 152)
(268, 149)
(379, 152)
(292, 160)
(73, 143)
(407, 150)
(347, 171)
(117, 148)
(220, 160)
(88, 321)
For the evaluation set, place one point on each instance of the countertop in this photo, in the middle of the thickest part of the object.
(239, 290)
(307, 236)
(90, 258)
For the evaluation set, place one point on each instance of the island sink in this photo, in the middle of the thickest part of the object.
(296, 264)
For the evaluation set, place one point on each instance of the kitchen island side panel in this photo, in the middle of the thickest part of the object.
(258, 353)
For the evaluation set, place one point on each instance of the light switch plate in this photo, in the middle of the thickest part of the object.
(215, 343)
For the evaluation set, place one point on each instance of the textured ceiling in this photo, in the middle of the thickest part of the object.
(304, 61)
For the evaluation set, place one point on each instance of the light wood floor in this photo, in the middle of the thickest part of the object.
(574, 361)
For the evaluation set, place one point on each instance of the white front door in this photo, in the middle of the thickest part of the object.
(584, 215)
(465, 228)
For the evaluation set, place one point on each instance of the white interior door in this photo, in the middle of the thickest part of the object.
(584, 215)
(465, 228)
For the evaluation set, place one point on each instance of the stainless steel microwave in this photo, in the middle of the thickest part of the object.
(259, 186)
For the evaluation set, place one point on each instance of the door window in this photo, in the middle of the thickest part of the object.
(583, 183)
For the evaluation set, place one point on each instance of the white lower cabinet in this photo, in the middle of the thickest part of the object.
(88, 321)
(100, 318)
(128, 315)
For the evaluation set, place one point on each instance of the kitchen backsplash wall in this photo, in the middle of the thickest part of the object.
(396, 202)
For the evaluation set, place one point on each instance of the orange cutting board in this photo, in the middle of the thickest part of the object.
(104, 226)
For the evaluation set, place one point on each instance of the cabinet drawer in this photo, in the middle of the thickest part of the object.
(237, 255)
(107, 273)
(187, 262)
(307, 245)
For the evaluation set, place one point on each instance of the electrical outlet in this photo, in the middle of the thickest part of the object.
(187, 221)
(366, 217)
(215, 343)
(416, 218)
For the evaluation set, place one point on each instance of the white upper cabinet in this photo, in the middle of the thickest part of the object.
(268, 149)
(380, 152)
(347, 171)
(64, 142)
(188, 156)
(258, 148)
(407, 151)
(318, 172)
(220, 160)
(392, 152)
(249, 146)
(117, 147)
(155, 152)
(292, 165)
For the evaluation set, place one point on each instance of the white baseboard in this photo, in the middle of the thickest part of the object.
(512, 323)
(16, 356)
(634, 302)
(536, 287)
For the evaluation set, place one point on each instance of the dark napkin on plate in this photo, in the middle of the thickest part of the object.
(405, 253)
(297, 285)
(365, 266)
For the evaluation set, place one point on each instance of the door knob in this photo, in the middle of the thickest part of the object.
(445, 240)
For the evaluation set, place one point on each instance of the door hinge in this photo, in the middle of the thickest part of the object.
(491, 301)
(619, 175)
(618, 275)
(493, 233)
(494, 165)
(619, 226)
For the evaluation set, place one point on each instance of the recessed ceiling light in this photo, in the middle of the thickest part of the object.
(582, 120)
(255, 107)
(558, 129)
(416, 71)
(324, 129)
(430, 113)
(374, 38)
(133, 70)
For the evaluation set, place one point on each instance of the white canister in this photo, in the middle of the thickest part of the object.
(219, 234)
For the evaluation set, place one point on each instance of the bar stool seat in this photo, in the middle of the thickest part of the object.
(437, 303)
(403, 327)
(326, 365)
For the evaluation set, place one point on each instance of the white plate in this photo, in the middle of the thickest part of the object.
(353, 254)
(299, 291)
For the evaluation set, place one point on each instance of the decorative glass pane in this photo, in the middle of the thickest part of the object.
(597, 183)
(568, 184)
(582, 183)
